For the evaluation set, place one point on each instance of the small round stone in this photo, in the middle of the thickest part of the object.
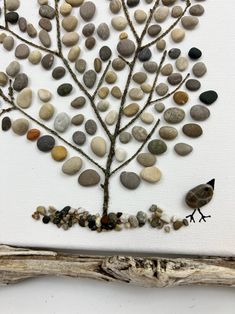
(118, 64)
(146, 159)
(115, 6)
(139, 133)
(132, 3)
(79, 138)
(177, 35)
(22, 51)
(133, 221)
(111, 77)
(33, 134)
(62, 122)
(81, 65)
(35, 57)
(46, 143)
(196, 10)
(126, 47)
(120, 154)
(47, 111)
(47, 11)
(168, 133)
(98, 146)
(12, 17)
(75, 3)
(176, 11)
(195, 53)
(59, 153)
(22, 22)
(199, 69)
(31, 30)
(72, 166)
(103, 105)
(145, 55)
(130, 180)
(147, 118)
(103, 31)
(64, 89)
(140, 16)
(174, 53)
(97, 65)
(47, 61)
(90, 43)
(78, 119)
(192, 130)
(91, 127)
(136, 94)
(174, 115)
(167, 69)
(88, 29)
(119, 23)
(174, 79)
(161, 44)
(89, 78)
(44, 95)
(6, 124)
(161, 14)
(105, 53)
(125, 137)
(139, 77)
(8, 43)
(183, 149)
(13, 68)
(69, 23)
(20, 82)
(208, 97)
(111, 117)
(150, 66)
(181, 98)
(151, 174)
(131, 110)
(89, 178)
(181, 64)
(70, 39)
(74, 53)
(24, 98)
(193, 85)
(189, 22)
(45, 24)
(45, 38)
(199, 113)
(58, 73)
(154, 30)
(159, 107)
(3, 79)
(65, 9)
(78, 102)
(12, 5)
(162, 89)
(20, 126)
(157, 147)
(116, 92)
(87, 10)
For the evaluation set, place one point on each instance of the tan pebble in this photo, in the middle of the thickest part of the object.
(115, 6)
(41, 210)
(97, 65)
(111, 77)
(44, 95)
(20, 126)
(168, 133)
(119, 23)
(31, 30)
(161, 45)
(176, 11)
(98, 146)
(24, 98)
(8, 43)
(3, 79)
(74, 53)
(111, 117)
(147, 118)
(140, 16)
(131, 110)
(59, 153)
(120, 154)
(123, 35)
(146, 88)
(65, 9)
(151, 174)
(177, 35)
(70, 39)
(46, 112)
(103, 92)
(116, 92)
(75, 3)
(35, 57)
(136, 94)
(2, 36)
(167, 69)
(161, 14)
(181, 63)
(72, 166)
(69, 23)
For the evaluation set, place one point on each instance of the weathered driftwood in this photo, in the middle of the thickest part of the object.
(17, 264)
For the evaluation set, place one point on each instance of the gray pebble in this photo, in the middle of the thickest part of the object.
(174, 53)
(22, 24)
(64, 89)
(199, 113)
(45, 38)
(130, 180)
(45, 24)
(199, 69)
(115, 6)
(174, 115)
(103, 105)
(78, 119)
(174, 79)
(22, 51)
(79, 138)
(89, 78)
(196, 10)
(159, 107)
(103, 31)
(154, 30)
(31, 30)
(78, 102)
(157, 147)
(193, 85)
(125, 137)
(146, 159)
(89, 178)
(58, 73)
(47, 61)
(139, 133)
(189, 22)
(90, 42)
(150, 66)
(62, 122)
(142, 218)
(133, 221)
(13, 68)
(176, 11)
(87, 10)
(21, 81)
(81, 65)
(47, 11)
(126, 47)
(192, 130)
(183, 149)
(162, 89)
(20, 126)
(91, 127)
(139, 77)
(72, 166)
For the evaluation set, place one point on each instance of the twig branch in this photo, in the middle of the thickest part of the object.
(80, 151)
(139, 150)
(5, 12)
(101, 80)
(172, 92)
(148, 102)
(188, 4)
(123, 59)
(6, 110)
(126, 12)
(149, 19)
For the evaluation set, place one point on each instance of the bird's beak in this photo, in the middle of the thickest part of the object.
(212, 183)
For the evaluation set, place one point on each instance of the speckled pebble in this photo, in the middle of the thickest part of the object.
(150, 66)
(79, 138)
(139, 133)
(146, 159)
(13, 68)
(89, 78)
(151, 174)
(125, 137)
(20, 82)
(183, 149)
(81, 65)
(162, 89)
(199, 113)
(87, 10)
(35, 57)
(168, 133)
(199, 69)
(181, 63)
(103, 105)
(46, 111)
(72, 166)
(47, 61)
(20, 126)
(78, 119)
(174, 79)
(174, 115)
(174, 53)
(62, 122)
(192, 130)
(193, 85)
(47, 11)
(130, 180)
(159, 107)
(22, 51)
(157, 147)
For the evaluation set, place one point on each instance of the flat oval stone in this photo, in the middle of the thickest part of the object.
(159, 107)
(74, 53)
(24, 98)
(6, 124)
(105, 53)
(208, 97)
(120, 154)
(199, 113)
(151, 174)
(35, 57)
(147, 118)
(69, 23)
(75, 3)
(174, 53)
(176, 11)
(70, 39)
(98, 146)
(115, 6)
(91, 127)
(192, 130)
(145, 55)
(162, 89)
(199, 69)
(47, 111)
(132, 3)
(45, 39)
(12, 17)
(62, 122)
(195, 53)
(126, 47)
(21, 81)
(189, 22)
(181, 98)
(58, 73)
(78, 119)
(183, 149)
(22, 51)
(59, 153)
(139, 133)
(139, 77)
(154, 30)
(103, 105)
(47, 61)
(103, 31)
(79, 138)
(125, 137)
(130, 180)
(146, 159)
(119, 23)
(174, 115)
(157, 147)
(111, 117)
(46, 143)
(161, 14)
(136, 94)
(89, 78)
(47, 11)
(196, 10)
(177, 35)
(167, 69)
(33, 134)
(81, 65)
(150, 66)
(89, 178)
(199, 196)
(168, 133)
(45, 24)
(140, 16)
(44, 95)
(174, 79)
(72, 166)
(64, 89)
(3, 79)
(131, 110)
(87, 10)
(181, 64)
(88, 29)
(31, 30)
(20, 126)
(22, 22)
(193, 85)
(78, 102)
(12, 5)
(8, 43)
(13, 68)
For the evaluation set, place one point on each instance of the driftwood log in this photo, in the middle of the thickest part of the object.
(17, 264)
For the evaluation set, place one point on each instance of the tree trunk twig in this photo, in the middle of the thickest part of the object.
(19, 264)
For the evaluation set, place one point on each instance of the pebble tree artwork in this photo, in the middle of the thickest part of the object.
(138, 43)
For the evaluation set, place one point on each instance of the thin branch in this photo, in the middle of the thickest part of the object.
(148, 102)
(172, 92)
(101, 80)
(4, 111)
(123, 59)
(149, 19)
(59, 43)
(138, 151)
(5, 12)
(188, 4)
(11, 102)
(126, 12)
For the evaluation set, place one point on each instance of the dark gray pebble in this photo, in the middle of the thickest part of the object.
(64, 89)
(192, 130)
(193, 85)
(46, 143)
(21, 81)
(6, 124)
(91, 127)
(157, 147)
(145, 55)
(208, 97)
(105, 53)
(89, 178)
(174, 53)
(196, 10)
(47, 61)
(79, 138)
(12, 17)
(90, 42)
(154, 30)
(195, 53)
(58, 73)
(132, 3)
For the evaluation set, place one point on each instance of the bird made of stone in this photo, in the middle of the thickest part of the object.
(198, 197)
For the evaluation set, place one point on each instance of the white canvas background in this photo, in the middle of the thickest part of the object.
(29, 178)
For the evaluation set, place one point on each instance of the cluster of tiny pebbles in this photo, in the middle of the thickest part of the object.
(69, 217)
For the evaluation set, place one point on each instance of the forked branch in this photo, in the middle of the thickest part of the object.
(126, 12)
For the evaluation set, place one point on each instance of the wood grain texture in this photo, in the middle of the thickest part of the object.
(18, 264)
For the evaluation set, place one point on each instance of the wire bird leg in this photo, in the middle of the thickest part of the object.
(203, 217)
(192, 216)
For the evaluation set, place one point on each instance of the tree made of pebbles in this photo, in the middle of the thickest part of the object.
(132, 111)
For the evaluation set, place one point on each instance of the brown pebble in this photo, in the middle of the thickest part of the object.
(33, 134)
(178, 224)
(59, 153)
(192, 130)
(181, 98)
